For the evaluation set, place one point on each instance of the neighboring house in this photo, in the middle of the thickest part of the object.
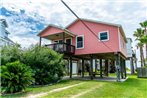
(130, 62)
(77, 43)
(4, 40)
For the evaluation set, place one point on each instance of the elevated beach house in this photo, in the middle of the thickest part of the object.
(102, 44)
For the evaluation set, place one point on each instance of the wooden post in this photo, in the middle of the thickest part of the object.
(95, 65)
(106, 67)
(63, 41)
(125, 68)
(40, 39)
(132, 65)
(121, 67)
(91, 67)
(101, 74)
(70, 66)
(83, 68)
(117, 64)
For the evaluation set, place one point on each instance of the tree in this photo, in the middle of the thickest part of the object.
(140, 46)
(144, 38)
(139, 33)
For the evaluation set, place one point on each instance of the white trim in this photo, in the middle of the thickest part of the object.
(68, 38)
(83, 41)
(119, 40)
(103, 32)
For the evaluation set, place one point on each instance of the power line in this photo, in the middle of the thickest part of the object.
(84, 24)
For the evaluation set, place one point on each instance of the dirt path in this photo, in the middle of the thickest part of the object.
(54, 90)
(82, 93)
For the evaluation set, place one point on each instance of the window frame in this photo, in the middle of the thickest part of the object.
(83, 41)
(103, 32)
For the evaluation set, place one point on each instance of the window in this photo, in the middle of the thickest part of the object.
(104, 36)
(80, 42)
(60, 41)
(55, 41)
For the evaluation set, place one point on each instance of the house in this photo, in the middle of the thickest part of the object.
(96, 42)
(4, 40)
(131, 59)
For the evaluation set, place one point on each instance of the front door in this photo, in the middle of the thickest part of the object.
(68, 43)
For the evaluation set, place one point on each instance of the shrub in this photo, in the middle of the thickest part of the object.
(47, 65)
(15, 77)
(10, 54)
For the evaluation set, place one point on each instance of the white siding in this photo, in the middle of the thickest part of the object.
(4, 40)
(129, 47)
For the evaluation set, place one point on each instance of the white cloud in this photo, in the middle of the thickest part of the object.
(25, 41)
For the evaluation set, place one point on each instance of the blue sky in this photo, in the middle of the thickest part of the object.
(26, 18)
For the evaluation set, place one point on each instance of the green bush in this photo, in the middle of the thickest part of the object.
(15, 77)
(10, 54)
(47, 65)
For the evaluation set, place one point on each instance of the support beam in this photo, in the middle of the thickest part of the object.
(70, 66)
(101, 74)
(106, 67)
(125, 68)
(40, 39)
(95, 65)
(117, 64)
(83, 68)
(91, 67)
(121, 67)
(63, 40)
(132, 65)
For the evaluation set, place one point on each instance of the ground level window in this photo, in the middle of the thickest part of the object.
(80, 42)
(104, 36)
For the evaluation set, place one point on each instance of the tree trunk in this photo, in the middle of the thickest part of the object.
(141, 56)
(146, 51)
(146, 43)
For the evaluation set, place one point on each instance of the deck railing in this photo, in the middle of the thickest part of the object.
(62, 48)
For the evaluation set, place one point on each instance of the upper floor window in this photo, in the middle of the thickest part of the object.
(104, 36)
(80, 42)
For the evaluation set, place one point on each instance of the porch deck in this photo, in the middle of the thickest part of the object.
(62, 48)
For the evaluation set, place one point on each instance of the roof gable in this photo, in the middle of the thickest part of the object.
(50, 29)
(100, 22)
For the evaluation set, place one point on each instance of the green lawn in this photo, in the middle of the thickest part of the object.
(132, 88)
(36, 90)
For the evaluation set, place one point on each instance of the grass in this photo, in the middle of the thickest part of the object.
(132, 88)
(35, 90)
(75, 90)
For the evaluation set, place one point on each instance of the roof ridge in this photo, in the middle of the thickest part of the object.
(92, 20)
